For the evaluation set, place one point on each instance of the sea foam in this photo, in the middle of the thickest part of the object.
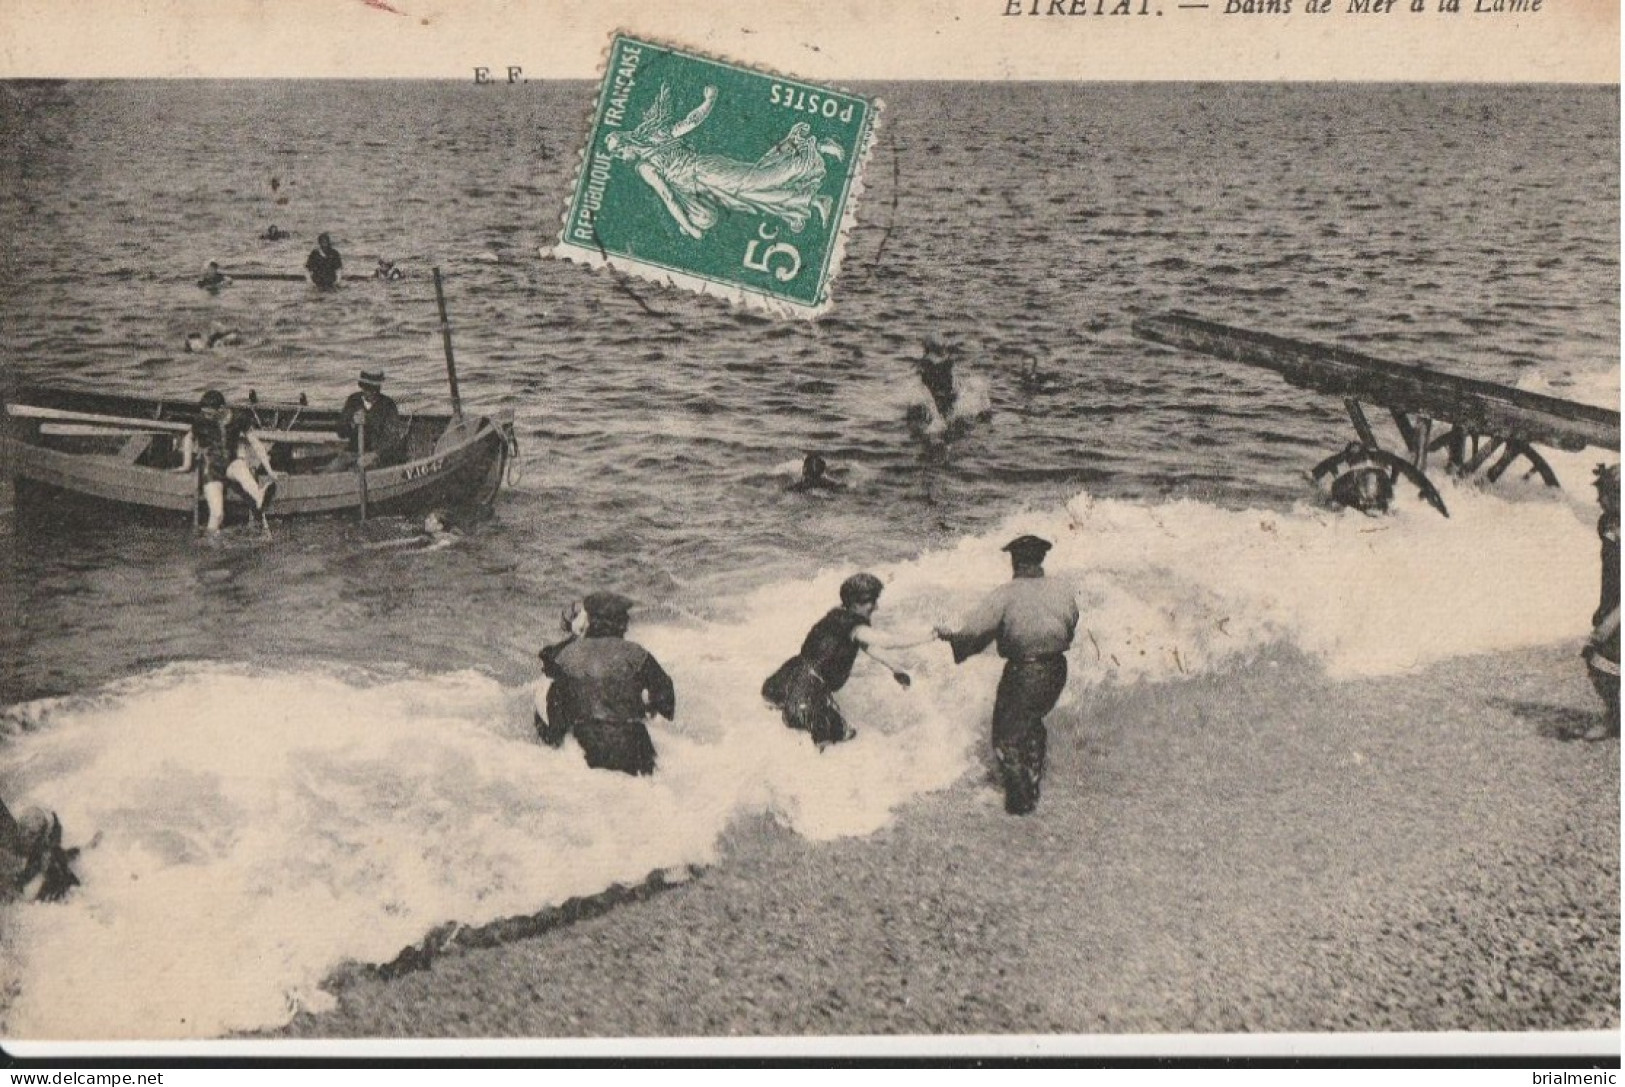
(249, 829)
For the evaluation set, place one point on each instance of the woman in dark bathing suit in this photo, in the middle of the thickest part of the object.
(803, 689)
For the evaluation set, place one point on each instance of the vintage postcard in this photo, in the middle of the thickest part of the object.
(1051, 527)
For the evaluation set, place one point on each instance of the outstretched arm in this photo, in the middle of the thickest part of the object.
(905, 638)
(693, 120)
(979, 629)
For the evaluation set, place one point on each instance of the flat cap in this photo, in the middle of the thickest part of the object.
(606, 606)
(1029, 548)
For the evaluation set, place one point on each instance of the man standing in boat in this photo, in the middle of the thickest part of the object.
(370, 422)
(324, 264)
(219, 438)
(604, 688)
(1033, 620)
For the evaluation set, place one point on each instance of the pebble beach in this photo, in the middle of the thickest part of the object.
(1268, 851)
(1311, 771)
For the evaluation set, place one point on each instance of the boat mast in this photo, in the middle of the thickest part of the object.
(445, 336)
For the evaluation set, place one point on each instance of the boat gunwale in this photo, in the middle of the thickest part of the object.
(104, 478)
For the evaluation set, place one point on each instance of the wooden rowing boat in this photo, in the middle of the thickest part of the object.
(71, 451)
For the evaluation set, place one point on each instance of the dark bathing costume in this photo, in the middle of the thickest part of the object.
(217, 441)
(804, 686)
(324, 267)
(598, 695)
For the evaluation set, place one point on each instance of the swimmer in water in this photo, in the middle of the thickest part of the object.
(955, 405)
(324, 266)
(386, 270)
(219, 336)
(814, 476)
(32, 860)
(274, 233)
(803, 688)
(605, 687)
(1362, 484)
(213, 278)
(1033, 378)
(439, 531)
(936, 369)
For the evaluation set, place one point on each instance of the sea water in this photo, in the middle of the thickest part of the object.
(285, 754)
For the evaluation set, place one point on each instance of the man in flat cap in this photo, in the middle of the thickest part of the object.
(371, 422)
(603, 689)
(1032, 619)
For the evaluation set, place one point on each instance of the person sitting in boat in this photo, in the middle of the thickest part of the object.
(221, 443)
(32, 858)
(815, 477)
(370, 422)
(213, 278)
(386, 270)
(803, 688)
(604, 690)
(324, 264)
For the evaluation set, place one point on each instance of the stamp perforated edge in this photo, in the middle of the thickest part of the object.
(736, 294)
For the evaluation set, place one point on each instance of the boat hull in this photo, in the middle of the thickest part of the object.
(451, 463)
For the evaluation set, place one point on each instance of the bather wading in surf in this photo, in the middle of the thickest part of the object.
(696, 187)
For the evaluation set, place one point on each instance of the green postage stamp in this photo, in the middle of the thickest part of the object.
(719, 178)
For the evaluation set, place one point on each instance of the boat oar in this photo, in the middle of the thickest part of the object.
(897, 673)
(361, 463)
(273, 277)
